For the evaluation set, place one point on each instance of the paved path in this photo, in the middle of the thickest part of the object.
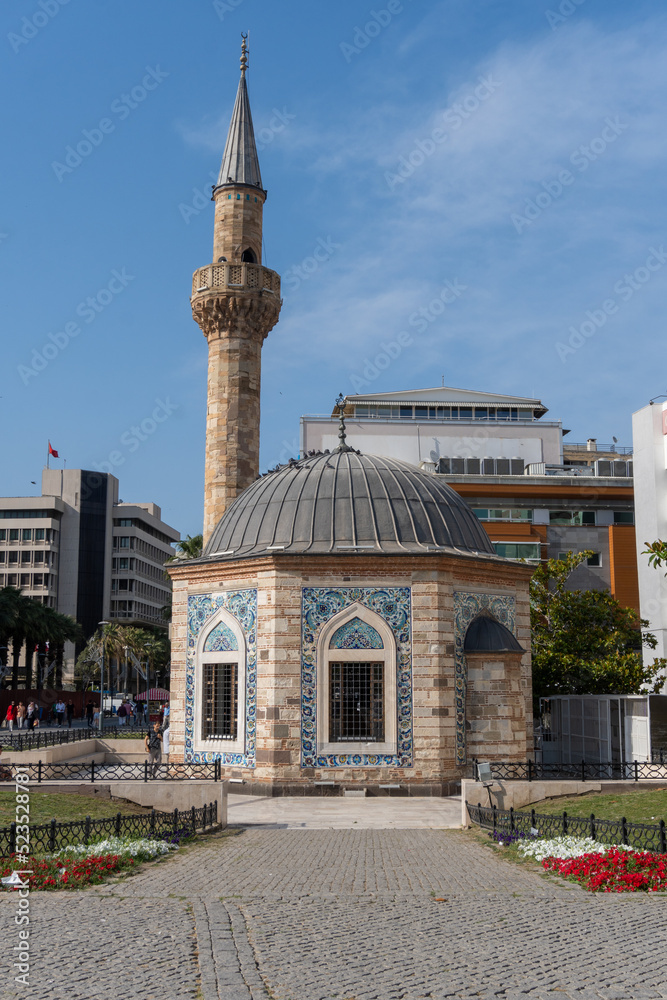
(340, 813)
(355, 914)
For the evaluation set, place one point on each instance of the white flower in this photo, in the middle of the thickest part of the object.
(142, 849)
(564, 847)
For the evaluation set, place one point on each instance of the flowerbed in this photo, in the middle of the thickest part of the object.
(82, 865)
(599, 867)
(614, 870)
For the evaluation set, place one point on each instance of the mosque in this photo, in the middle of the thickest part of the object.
(349, 625)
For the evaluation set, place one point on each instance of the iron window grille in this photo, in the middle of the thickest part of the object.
(356, 702)
(220, 701)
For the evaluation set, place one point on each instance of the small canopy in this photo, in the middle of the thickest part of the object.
(153, 694)
(487, 635)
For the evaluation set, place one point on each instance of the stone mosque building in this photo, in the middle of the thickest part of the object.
(348, 624)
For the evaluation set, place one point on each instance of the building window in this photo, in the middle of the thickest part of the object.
(25, 556)
(572, 517)
(38, 557)
(3, 534)
(38, 580)
(594, 560)
(13, 557)
(405, 412)
(356, 702)
(39, 534)
(12, 580)
(624, 517)
(503, 514)
(124, 542)
(25, 579)
(356, 685)
(220, 715)
(26, 534)
(13, 534)
(221, 701)
(513, 550)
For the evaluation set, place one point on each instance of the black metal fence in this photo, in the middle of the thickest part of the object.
(36, 739)
(141, 771)
(606, 831)
(584, 771)
(54, 836)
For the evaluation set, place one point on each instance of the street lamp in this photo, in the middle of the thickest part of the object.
(101, 725)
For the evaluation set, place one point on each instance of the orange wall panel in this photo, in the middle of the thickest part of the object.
(623, 565)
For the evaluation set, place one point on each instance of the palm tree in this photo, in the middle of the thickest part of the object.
(190, 547)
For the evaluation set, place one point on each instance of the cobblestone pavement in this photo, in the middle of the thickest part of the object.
(343, 915)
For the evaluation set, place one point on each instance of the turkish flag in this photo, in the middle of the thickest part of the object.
(52, 452)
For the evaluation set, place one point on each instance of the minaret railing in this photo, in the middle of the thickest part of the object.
(240, 277)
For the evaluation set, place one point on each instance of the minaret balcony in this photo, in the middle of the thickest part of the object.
(234, 278)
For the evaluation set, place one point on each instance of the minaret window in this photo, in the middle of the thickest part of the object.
(220, 707)
(248, 256)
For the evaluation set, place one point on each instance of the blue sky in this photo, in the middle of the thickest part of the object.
(513, 150)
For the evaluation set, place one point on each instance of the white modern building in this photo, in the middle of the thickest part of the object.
(81, 551)
(537, 496)
(649, 433)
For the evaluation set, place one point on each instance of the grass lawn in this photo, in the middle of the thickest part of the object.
(45, 806)
(638, 806)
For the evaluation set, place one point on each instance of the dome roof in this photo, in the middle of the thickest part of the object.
(345, 503)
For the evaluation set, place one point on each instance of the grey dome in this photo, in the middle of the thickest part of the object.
(347, 503)
(487, 635)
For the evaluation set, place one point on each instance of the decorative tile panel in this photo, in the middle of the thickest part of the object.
(356, 634)
(221, 639)
(242, 605)
(466, 607)
(393, 605)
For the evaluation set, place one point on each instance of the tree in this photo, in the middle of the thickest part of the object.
(190, 547)
(584, 641)
(27, 622)
(656, 552)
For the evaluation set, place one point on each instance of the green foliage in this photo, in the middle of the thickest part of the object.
(190, 547)
(656, 552)
(119, 642)
(584, 641)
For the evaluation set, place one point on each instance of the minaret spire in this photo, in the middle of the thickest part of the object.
(240, 163)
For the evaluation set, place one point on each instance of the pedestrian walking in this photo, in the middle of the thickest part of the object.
(11, 716)
(90, 712)
(31, 715)
(60, 711)
(70, 713)
(20, 714)
(153, 744)
(121, 713)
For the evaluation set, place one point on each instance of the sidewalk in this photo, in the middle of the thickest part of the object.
(339, 813)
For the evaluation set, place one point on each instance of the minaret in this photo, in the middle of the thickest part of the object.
(235, 301)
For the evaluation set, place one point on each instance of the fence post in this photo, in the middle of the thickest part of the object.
(145, 770)
(530, 769)
(204, 820)
(92, 770)
(152, 821)
(564, 822)
(636, 771)
(583, 770)
(663, 841)
(511, 819)
(532, 819)
(39, 772)
(12, 838)
(86, 834)
(624, 829)
(175, 820)
(592, 826)
(214, 817)
(52, 835)
(117, 824)
(494, 816)
(194, 820)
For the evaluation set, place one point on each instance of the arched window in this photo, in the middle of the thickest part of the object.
(248, 256)
(356, 702)
(219, 721)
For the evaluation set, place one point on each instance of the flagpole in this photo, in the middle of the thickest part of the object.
(48, 452)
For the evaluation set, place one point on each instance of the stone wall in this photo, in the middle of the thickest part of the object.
(280, 580)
